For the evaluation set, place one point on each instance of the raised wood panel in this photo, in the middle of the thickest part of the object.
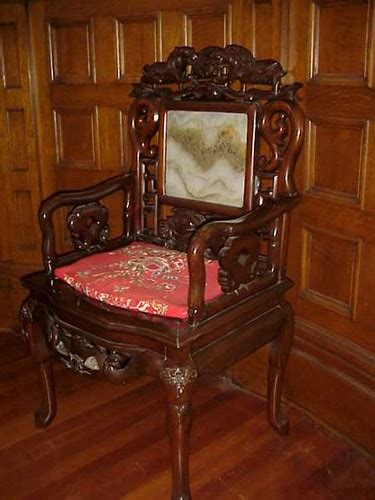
(208, 27)
(323, 255)
(76, 132)
(71, 51)
(138, 40)
(366, 293)
(340, 47)
(173, 31)
(10, 70)
(17, 145)
(263, 20)
(19, 176)
(25, 216)
(110, 138)
(337, 151)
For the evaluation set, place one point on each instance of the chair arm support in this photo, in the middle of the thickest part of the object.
(74, 197)
(215, 230)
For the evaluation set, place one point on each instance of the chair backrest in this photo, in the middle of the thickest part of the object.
(215, 135)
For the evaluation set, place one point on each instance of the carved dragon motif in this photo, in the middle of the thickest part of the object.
(210, 74)
(88, 226)
(83, 356)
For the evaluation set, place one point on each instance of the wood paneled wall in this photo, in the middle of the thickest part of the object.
(66, 71)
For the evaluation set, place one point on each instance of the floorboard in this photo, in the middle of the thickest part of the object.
(109, 441)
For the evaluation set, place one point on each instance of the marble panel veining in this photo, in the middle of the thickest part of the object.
(206, 156)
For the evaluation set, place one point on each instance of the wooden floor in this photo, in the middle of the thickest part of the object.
(109, 442)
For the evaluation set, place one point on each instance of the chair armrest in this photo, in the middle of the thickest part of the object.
(68, 198)
(216, 231)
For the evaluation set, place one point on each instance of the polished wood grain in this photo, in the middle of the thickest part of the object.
(329, 46)
(110, 440)
(94, 338)
(326, 43)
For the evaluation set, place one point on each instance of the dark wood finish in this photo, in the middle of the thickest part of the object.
(93, 338)
(111, 438)
(211, 74)
(87, 47)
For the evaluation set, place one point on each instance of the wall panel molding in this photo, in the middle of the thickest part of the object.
(143, 32)
(77, 150)
(10, 70)
(337, 153)
(71, 48)
(323, 254)
(207, 26)
(340, 47)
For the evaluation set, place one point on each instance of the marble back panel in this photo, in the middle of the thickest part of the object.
(206, 156)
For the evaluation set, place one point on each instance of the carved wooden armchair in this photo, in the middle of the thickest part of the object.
(197, 280)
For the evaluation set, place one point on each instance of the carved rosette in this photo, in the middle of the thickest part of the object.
(88, 226)
(238, 261)
(179, 377)
(213, 74)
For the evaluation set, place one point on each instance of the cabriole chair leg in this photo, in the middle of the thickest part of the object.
(278, 358)
(178, 382)
(32, 316)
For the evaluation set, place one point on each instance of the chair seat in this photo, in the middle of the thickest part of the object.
(139, 277)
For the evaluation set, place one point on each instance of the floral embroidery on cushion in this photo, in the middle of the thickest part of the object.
(140, 277)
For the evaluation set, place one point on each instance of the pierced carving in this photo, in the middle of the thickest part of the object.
(238, 261)
(83, 356)
(211, 74)
(179, 377)
(281, 131)
(88, 226)
(176, 69)
(275, 128)
(176, 231)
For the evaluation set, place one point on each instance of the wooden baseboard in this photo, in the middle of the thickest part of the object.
(328, 376)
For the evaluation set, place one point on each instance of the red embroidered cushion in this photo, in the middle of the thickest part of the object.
(139, 277)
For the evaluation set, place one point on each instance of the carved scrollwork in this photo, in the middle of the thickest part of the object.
(144, 116)
(175, 231)
(281, 130)
(174, 70)
(83, 356)
(238, 261)
(179, 377)
(116, 366)
(88, 226)
(275, 129)
(211, 74)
